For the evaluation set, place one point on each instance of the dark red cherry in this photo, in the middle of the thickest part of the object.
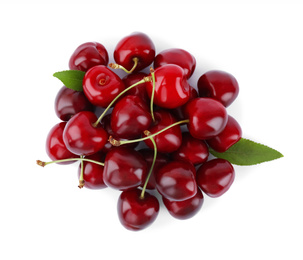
(207, 117)
(176, 180)
(218, 85)
(88, 55)
(191, 149)
(69, 102)
(215, 177)
(169, 140)
(101, 85)
(231, 134)
(81, 137)
(185, 209)
(136, 45)
(130, 117)
(55, 147)
(139, 90)
(179, 57)
(92, 172)
(124, 168)
(136, 213)
(171, 88)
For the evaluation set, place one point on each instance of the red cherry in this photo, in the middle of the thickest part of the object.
(139, 90)
(207, 117)
(215, 177)
(169, 140)
(171, 87)
(191, 149)
(130, 117)
(101, 85)
(69, 102)
(231, 134)
(136, 213)
(176, 181)
(136, 45)
(55, 147)
(179, 57)
(92, 172)
(88, 55)
(124, 168)
(185, 209)
(81, 137)
(218, 85)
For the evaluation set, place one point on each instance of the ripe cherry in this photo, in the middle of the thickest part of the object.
(88, 55)
(81, 137)
(179, 57)
(69, 102)
(124, 168)
(139, 90)
(184, 209)
(215, 177)
(231, 134)
(218, 85)
(136, 213)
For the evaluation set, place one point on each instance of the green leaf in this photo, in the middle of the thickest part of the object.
(71, 78)
(247, 152)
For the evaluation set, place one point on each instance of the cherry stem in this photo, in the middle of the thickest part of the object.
(115, 142)
(41, 163)
(151, 167)
(117, 66)
(81, 180)
(145, 79)
(153, 94)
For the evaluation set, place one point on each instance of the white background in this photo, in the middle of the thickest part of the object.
(43, 213)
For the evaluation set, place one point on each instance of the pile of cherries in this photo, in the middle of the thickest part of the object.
(146, 134)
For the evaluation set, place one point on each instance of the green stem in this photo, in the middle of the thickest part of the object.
(117, 66)
(81, 180)
(152, 96)
(41, 163)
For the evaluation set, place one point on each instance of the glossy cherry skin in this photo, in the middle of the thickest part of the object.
(218, 85)
(171, 88)
(92, 172)
(81, 137)
(136, 213)
(231, 134)
(69, 102)
(207, 117)
(55, 147)
(139, 90)
(136, 45)
(88, 55)
(191, 149)
(185, 209)
(215, 177)
(130, 117)
(101, 85)
(179, 57)
(176, 180)
(169, 140)
(124, 168)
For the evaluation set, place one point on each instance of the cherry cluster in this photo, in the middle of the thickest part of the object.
(153, 136)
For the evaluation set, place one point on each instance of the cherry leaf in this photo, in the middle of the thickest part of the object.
(71, 78)
(247, 152)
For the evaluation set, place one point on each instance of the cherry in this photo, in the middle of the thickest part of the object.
(176, 180)
(81, 137)
(215, 177)
(69, 102)
(92, 172)
(231, 134)
(136, 213)
(171, 87)
(218, 85)
(207, 117)
(124, 168)
(130, 117)
(171, 139)
(139, 90)
(88, 55)
(191, 149)
(55, 147)
(179, 57)
(101, 85)
(184, 209)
